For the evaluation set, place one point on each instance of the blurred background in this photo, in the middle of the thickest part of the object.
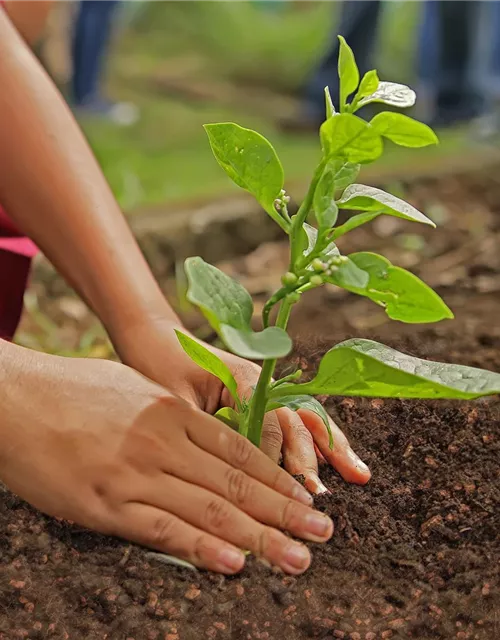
(143, 77)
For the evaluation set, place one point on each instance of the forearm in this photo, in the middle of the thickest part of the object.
(53, 189)
(29, 17)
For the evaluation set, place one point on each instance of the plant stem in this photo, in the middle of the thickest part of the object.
(253, 427)
(301, 216)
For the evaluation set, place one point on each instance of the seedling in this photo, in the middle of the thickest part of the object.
(355, 367)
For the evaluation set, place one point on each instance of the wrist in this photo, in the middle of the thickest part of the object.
(149, 337)
(16, 366)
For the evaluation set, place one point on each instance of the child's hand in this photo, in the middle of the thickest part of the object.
(299, 437)
(97, 443)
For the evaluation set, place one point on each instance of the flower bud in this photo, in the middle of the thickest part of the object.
(289, 279)
(343, 259)
(316, 280)
(293, 297)
(286, 199)
(277, 204)
(317, 265)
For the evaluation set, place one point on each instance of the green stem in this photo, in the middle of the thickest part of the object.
(257, 410)
(301, 216)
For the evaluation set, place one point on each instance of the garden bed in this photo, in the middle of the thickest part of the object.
(415, 553)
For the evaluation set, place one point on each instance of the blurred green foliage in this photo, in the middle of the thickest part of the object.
(189, 63)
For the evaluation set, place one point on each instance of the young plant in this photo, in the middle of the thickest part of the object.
(355, 367)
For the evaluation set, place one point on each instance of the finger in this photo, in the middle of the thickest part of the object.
(298, 450)
(210, 513)
(320, 457)
(341, 456)
(155, 528)
(272, 438)
(245, 494)
(237, 451)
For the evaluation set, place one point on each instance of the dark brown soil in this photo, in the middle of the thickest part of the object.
(416, 552)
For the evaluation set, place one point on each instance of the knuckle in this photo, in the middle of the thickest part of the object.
(162, 532)
(287, 515)
(303, 437)
(272, 436)
(269, 542)
(107, 485)
(241, 452)
(216, 515)
(238, 486)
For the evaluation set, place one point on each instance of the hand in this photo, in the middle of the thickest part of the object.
(97, 443)
(301, 438)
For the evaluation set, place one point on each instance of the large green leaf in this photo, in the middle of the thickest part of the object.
(363, 198)
(269, 344)
(345, 172)
(351, 138)
(222, 299)
(303, 402)
(349, 276)
(348, 72)
(392, 93)
(209, 362)
(403, 130)
(404, 296)
(249, 160)
(324, 205)
(367, 368)
(354, 222)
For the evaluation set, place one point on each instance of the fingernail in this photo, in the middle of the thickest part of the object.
(357, 460)
(301, 494)
(317, 487)
(231, 559)
(296, 558)
(318, 524)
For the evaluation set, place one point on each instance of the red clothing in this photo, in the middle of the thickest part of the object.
(16, 252)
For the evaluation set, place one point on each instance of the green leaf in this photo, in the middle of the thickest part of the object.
(348, 276)
(229, 417)
(269, 344)
(403, 130)
(209, 362)
(404, 296)
(222, 299)
(363, 198)
(354, 223)
(370, 369)
(348, 72)
(249, 160)
(345, 172)
(391, 93)
(310, 239)
(330, 108)
(324, 205)
(351, 138)
(303, 402)
(368, 85)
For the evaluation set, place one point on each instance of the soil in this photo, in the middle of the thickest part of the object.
(416, 552)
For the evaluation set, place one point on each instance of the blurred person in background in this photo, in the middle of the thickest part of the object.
(449, 33)
(359, 23)
(91, 36)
